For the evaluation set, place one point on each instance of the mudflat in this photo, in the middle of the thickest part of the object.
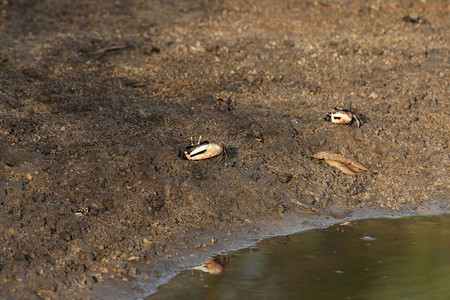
(98, 100)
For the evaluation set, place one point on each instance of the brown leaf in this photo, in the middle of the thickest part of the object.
(340, 166)
(347, 162)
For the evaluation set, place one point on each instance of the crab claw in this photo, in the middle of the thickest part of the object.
(342, 115)
(204, 150)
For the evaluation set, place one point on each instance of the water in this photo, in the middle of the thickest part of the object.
(405, 258)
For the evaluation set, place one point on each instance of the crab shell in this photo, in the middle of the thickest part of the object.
(204, 150)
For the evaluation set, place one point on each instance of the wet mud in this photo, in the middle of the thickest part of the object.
(99, 98)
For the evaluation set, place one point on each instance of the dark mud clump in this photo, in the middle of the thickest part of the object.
(97, 98)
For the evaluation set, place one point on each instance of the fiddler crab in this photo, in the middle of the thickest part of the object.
(205, 150)
(224, 104)
(342, 115)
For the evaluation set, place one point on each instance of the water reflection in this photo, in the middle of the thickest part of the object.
(403, 259)
(214, 266)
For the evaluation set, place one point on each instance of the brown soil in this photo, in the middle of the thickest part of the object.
(98, 97)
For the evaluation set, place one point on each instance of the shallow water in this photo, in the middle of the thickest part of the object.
(406, 258)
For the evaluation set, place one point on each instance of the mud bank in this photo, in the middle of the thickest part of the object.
(97, 99)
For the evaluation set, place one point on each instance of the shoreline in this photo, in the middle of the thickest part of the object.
(288, 226)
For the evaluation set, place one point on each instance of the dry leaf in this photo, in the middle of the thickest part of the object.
(346, 165)
(340, 166)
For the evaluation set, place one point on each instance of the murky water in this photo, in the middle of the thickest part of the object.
(405, 258)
